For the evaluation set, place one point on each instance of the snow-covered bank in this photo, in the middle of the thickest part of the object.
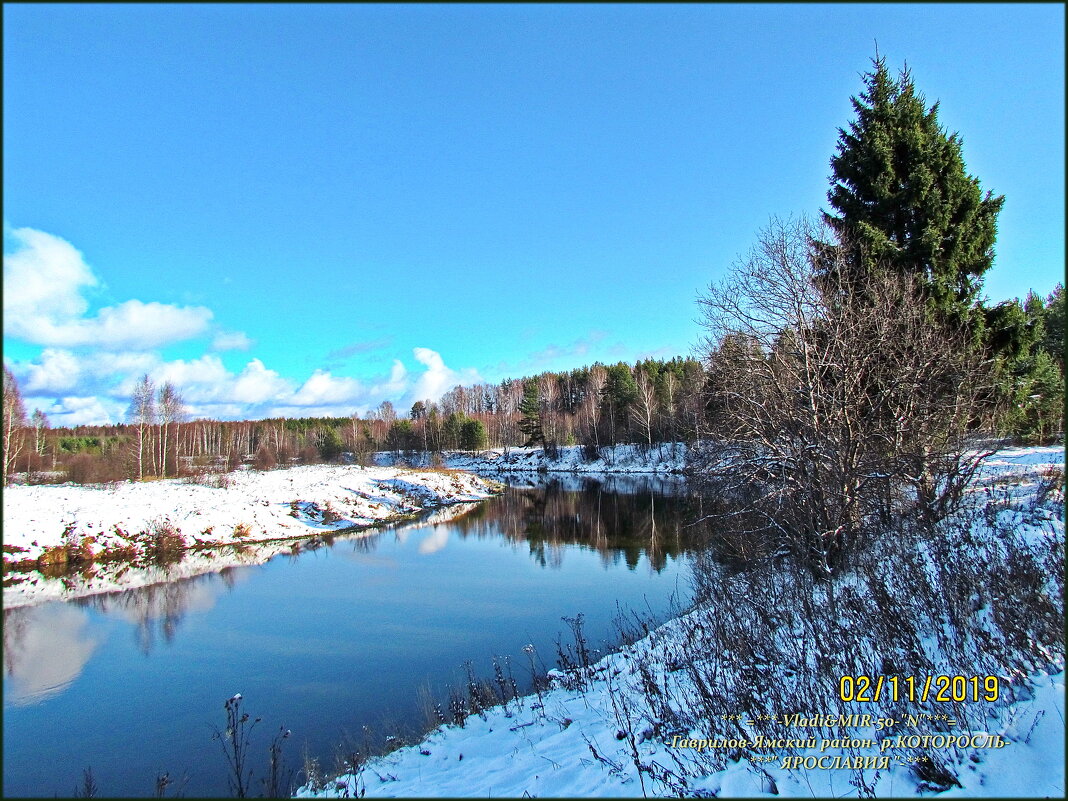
(589, 734)
(548, 750)
(114, 525)
(668, 457)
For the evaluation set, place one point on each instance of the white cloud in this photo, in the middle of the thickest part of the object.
(77, 410)
(438, 378)
(394, 385)
(231, 340)
(55, 372)
(44, 279)
(203, 378)
(257, 384)
(323, 388)
(550, 353)
(83, 389)
(90, 362)
(206, 380)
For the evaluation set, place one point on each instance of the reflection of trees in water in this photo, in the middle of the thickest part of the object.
(158, 609)
(617, 526)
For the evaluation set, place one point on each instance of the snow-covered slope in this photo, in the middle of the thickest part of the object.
(255, 508)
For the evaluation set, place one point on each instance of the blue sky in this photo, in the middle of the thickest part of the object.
(305, 210)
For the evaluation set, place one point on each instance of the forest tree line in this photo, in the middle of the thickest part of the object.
(911, 238)
(649, 402)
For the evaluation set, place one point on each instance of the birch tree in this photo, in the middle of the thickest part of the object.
(171, 409)
(142, 413)
(643, 408)
(39, 420)
(14, 422)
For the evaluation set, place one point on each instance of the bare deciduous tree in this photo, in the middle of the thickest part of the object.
(838, 409)
(171, 409)
(39, 420)
(643, 410)
(142, 413)
(14, 423)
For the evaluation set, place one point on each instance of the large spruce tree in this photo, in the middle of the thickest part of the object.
(904, 200)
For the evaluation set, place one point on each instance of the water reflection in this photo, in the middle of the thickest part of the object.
(576, 510)
(156, 611)
(45, 649)
(339, 635)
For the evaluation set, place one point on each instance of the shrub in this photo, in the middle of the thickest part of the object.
(221, 481)
(329, 514)
(81, 469)
(164, 543)
(285, 455)
(265, 459)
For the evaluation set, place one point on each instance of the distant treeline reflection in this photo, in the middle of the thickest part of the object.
(616, 525)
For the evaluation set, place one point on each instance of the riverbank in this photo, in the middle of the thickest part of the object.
(64, 541)
(662, 458)
(631, 723)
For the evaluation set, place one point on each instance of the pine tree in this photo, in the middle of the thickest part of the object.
(1028, 367)
(1053, 321)
(530, 409)
(903, 198)
(619, 392)
(472, 435)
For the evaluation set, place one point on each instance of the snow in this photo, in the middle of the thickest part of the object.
(262, 512)
(664, 458)
(570, 742)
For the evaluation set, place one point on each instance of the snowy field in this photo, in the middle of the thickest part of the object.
(255, 511)
(586, 735)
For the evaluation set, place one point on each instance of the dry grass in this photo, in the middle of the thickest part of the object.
(163, 543)
(446, 471)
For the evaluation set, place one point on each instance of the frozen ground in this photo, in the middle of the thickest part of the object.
(255, 511)
(583, 737)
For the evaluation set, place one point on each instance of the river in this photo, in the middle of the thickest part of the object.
(337, 644)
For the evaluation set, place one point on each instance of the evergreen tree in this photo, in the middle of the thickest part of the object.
(450, 432)
(1053, 321)
(433, 428)
(330, 443)
(620, 391)
(903, 198)
(531, 421)
(401, 436)
(1028, 365)
(472, 435)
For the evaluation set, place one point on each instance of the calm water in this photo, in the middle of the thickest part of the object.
(326, 642)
